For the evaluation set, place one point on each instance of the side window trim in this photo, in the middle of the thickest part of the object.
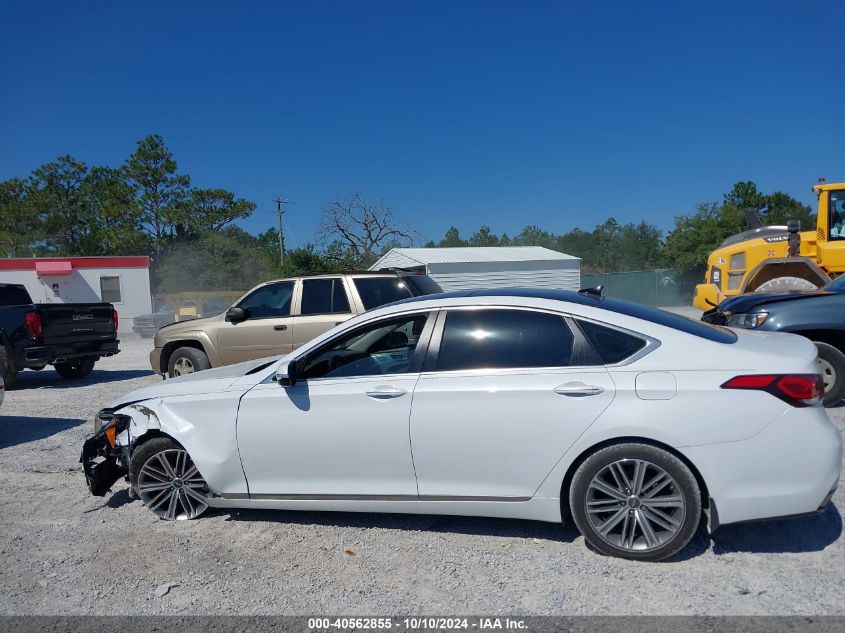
(420, 352)
(651, 343)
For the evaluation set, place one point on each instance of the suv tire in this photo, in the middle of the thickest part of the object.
(187, 360)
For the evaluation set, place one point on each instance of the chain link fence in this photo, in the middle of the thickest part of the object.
(661, 288)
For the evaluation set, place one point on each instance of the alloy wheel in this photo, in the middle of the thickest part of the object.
(183, 366)
(635, 505)
(171, 486)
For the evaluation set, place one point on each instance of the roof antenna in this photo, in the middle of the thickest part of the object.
(592, 292)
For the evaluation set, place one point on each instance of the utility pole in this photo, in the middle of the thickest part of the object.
(280, 212)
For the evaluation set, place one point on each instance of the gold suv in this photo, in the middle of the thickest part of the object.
(278, 316)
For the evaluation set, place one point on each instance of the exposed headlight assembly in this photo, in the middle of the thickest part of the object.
(747, 321)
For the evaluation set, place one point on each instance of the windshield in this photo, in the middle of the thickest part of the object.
(837, 215)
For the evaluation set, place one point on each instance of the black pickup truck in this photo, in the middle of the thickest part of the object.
(69, 336)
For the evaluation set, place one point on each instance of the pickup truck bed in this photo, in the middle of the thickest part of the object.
(69, 336)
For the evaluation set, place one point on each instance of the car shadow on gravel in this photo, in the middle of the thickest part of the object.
(477, 526)
(806, 534)
(47, 378)
(18, 429)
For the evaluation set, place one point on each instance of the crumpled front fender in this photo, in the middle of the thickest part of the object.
(204, 424)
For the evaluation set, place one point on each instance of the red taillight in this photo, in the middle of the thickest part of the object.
(114, 315)
(799, 390)
(34, 327)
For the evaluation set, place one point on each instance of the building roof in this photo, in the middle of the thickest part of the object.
(475, 254)
(64, 264)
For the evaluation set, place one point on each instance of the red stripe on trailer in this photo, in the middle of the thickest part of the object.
(31, 263)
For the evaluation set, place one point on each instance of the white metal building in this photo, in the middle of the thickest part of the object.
(123, 281)
(464, 268)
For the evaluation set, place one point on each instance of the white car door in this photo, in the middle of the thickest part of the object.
(500, 401)
(341, 431)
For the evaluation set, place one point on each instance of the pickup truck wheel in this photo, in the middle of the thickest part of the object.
(76, 368)
(7, 368)
(187, 360)
(832, 366)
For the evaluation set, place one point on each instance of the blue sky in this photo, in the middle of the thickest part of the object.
(466, 113)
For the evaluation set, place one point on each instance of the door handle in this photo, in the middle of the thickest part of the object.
(385, 393)
(578, 389)
(280, 328)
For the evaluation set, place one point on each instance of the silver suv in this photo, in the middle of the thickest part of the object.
(278, 316)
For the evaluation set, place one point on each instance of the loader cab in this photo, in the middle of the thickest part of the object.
(831, 227)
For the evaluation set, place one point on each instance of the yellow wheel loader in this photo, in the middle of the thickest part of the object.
(779, 258)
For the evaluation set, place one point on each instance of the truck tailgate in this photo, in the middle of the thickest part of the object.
(70, 322)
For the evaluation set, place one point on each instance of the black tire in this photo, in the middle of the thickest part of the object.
(75, 368)
(186, 357)
(7, 368)
(667, 541)
(144, 453)
(832, 365)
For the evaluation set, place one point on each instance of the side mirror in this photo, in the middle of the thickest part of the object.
(286, 374)
(236, 315)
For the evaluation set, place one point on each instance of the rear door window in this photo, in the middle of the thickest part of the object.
(501, 338)
(378, 291)
(324, 296)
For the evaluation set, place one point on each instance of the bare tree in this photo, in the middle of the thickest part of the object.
(363, 228)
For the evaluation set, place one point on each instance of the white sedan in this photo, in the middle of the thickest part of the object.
(529, 404)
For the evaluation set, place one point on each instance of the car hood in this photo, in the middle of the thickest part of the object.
(742, 304)
(208, 381)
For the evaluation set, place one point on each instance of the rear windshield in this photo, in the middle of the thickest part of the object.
(14, 296)
(714, 333)
(378, 291)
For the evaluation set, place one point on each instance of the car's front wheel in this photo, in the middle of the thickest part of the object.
(635, 501)
(166, 480)
(187, 360)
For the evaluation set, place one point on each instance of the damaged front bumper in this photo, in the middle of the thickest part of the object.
(103, 461)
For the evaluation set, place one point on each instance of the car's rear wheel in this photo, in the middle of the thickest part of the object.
(167, 481)
(187, 360)
(635, 501)
(832, 367)
(75, 368)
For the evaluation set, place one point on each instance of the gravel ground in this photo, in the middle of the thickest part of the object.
(63, 551)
